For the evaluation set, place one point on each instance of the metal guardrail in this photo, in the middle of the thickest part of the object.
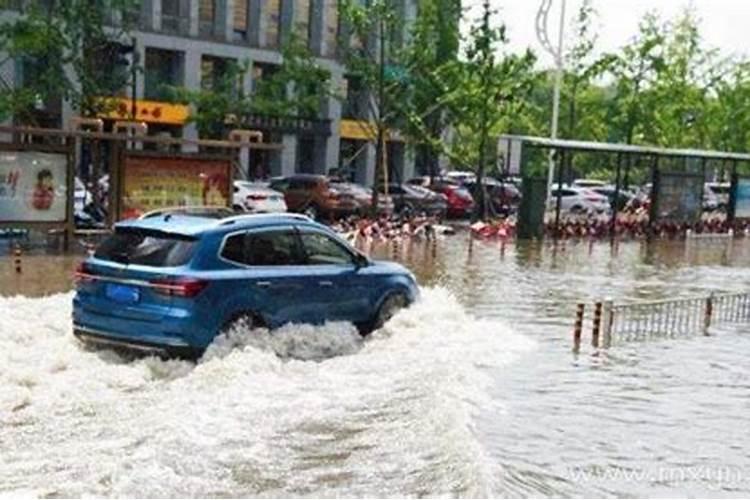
(660, 319)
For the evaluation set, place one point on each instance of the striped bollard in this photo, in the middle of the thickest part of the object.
(596, 325)
(578, 328)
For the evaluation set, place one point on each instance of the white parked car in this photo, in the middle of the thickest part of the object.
(588, 183)
(716, 194)
(257, 197)
(578, 200)
(462, 177)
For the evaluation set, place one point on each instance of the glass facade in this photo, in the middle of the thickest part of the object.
(271, 14)
(302, 13)
(239, 18)
(207, 16)
(163, 68)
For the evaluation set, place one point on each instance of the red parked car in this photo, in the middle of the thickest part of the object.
(460, 201)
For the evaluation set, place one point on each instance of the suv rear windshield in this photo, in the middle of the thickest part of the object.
(147, 248)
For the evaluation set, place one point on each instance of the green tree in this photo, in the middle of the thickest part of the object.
(294, 90)
(68, 47)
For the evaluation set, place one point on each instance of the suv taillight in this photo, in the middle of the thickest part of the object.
(256, 197)
(83, 274)
(179, 287)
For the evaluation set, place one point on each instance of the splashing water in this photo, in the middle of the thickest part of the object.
(299, 411)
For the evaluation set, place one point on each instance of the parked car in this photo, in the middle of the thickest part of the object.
(461, 176)
(718, 192)
(257, 197)
(577, 200)
(459, 199)
(409, 199)
(315, 196)
(504, 196)
(363, 195)
(170, 285)
(624, 196)
(588, 183)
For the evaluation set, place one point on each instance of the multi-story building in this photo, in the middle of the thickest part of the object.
(186, 42)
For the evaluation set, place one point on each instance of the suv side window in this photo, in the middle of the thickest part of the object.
(272, 248)
(234, 248)
(324, 250)
(268, 248)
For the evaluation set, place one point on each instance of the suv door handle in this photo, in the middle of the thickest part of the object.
(325, 283)
(263, 284)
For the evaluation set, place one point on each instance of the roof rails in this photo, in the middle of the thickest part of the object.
(243, 217)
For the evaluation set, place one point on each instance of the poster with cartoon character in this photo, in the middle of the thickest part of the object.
(33, 186)
(155, 182)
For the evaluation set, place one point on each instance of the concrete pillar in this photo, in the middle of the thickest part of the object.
(255, 23)
(140, 80)
(192, 80)
(67, 106)
(225, 19)
(288, 156)
(286, 21)
(327, 149)
(317, 26)
(365, 174)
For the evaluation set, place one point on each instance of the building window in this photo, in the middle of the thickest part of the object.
(213, 71)
(355, 104)
(302, 13)
(172, 16)
(240, 19)
(331, 32)
(163, 69)
(207, 16)
(271, 13)
(261, 71)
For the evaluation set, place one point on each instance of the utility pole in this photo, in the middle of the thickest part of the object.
(542, 32)
(380, 151)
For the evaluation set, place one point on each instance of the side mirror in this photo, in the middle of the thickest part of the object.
(361, 261)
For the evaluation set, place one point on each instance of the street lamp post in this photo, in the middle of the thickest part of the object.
(542, 32)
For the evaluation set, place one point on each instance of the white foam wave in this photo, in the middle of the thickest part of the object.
(390, 416)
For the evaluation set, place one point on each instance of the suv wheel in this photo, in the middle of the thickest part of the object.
(393, 304)
(243, 322)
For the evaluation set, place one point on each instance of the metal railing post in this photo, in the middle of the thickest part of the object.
(709, 313)
(609, 317)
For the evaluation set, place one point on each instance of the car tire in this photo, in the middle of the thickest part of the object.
(244, 321)
(390, 306)
(312, 211)
(238, 208)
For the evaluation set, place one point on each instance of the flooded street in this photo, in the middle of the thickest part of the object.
(473, 391)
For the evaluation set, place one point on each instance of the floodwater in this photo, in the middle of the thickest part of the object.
(473, 391)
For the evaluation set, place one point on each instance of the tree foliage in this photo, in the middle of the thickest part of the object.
(68, 50)
(295, 89)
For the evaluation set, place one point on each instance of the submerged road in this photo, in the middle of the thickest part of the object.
(471, 392)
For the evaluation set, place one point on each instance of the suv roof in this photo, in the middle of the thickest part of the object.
(189, 225)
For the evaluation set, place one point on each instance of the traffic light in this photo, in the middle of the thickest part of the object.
(121, 54)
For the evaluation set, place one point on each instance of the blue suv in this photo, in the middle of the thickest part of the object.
(169, 284)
